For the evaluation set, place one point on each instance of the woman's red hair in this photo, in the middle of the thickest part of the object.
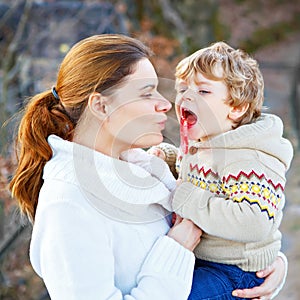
(94, 64)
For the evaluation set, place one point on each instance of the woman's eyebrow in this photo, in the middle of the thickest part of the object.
(152, 86)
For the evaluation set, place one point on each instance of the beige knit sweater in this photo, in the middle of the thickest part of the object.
(233, 189)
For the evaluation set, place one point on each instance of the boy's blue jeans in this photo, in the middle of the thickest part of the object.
(214, 281)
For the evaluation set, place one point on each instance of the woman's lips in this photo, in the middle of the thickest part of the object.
(162, 124)
(188, 116)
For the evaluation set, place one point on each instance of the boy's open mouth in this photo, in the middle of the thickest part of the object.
(189, 116)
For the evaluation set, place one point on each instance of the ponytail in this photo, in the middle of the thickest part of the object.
(44, 115)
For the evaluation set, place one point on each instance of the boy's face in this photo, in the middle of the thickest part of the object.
(202, 103)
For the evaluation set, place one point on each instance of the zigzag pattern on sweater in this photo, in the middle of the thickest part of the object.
(236, 178)
(260, 177)
(206, 173)
(251, 201)
(252, 188)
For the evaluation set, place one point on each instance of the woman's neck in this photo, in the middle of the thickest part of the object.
(94, 136)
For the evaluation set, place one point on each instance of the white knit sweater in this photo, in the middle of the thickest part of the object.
(99, 232)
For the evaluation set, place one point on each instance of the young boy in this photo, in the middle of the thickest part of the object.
(232, 172)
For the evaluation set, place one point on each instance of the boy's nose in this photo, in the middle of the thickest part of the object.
(188, 95)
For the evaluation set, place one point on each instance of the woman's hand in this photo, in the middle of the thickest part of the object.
(186, 233)
(273, 274)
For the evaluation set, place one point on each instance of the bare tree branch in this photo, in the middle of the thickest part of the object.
(7, 15)
(9, 63)
(171, 15)
(10, 57)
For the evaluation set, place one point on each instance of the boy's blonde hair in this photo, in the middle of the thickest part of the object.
(241, 74)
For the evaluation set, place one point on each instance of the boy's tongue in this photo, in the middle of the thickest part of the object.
(189, 116)
(187, 120)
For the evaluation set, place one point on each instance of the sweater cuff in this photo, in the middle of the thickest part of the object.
(279, 288)
(170, 258)
(171, 153)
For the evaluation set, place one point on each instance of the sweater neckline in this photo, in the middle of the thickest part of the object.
(116, 188)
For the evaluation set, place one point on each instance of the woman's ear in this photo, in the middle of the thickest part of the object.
(97, 104)
(236, 113)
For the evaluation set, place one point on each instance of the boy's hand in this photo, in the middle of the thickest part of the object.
(157, 152)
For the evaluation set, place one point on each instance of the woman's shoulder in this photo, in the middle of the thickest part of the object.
(63, 200)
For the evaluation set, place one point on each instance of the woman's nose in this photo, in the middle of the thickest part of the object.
(163, 105)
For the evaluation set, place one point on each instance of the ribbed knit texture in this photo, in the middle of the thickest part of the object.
(171, 153)
(178, 260)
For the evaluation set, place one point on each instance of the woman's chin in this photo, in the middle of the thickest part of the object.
(155, 140)
(149, 141)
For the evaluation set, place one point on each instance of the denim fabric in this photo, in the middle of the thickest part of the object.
(214, 281)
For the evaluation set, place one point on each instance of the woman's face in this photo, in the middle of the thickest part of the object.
(137, 112)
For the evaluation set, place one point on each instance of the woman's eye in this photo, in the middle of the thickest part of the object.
(147, 95)
(181, 91)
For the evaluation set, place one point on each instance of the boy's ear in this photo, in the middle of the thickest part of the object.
(97, 104)
(236, 113)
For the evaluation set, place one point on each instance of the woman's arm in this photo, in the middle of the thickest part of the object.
(76, 259)
(275, 276)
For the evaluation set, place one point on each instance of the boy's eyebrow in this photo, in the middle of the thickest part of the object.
(203, 82)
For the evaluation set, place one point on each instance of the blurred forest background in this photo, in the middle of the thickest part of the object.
(35, 36)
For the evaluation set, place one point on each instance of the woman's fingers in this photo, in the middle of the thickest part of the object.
(273, 275)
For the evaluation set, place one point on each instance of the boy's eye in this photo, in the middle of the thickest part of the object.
(204, 92)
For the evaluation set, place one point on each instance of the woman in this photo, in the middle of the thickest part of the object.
(98, 203)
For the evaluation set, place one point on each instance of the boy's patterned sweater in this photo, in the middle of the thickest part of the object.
(233, 189)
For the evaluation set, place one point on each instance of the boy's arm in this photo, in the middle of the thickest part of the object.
(231, 217)
(168, 153)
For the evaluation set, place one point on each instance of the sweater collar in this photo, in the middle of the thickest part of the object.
(119, 189)
(264, 135)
